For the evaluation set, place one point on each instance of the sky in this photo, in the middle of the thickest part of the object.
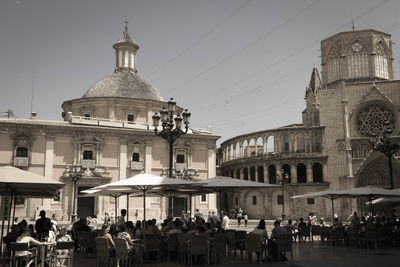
(238, 65)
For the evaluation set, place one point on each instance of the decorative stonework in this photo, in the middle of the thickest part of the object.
(370, 119)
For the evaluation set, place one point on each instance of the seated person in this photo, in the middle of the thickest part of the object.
(104, 232)
(261, 230)
(277, 231)
(63, 237)
(125, 235)
(24, 236)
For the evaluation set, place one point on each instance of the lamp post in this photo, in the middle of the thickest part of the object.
(75, 175)
(171, 129)
(383, 144)
(284, 180)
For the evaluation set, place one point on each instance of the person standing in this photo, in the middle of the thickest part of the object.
(225, 222)
(121, 219)
(239, 216)
(42, 226)
(245, 218)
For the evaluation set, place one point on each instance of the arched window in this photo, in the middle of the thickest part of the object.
(231, 152)
(301, 173)
(253, 174)
(252, 147)
(270, 144)
(120, 58)
(286, 170)
(126, 59)
(245, 149)
(232, 174)
(260, 146)
(300, 143)
(237, 151)
(332, 65)
(272, 174)
(317, 173)
(260, 171)
(357, 61)
(246, 174)
(238, 174)
(381, 62)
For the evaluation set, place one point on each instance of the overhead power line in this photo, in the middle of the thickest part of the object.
(238, 52)
(200, 39)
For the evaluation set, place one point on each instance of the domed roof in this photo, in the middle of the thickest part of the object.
(124, 83)
(125, 38)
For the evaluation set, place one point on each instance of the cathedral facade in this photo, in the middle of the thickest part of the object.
(354, 99)
(107, 135)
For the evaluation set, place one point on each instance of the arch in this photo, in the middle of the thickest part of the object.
(245, 148)
(252, 147)
(332, 64)
(260, 146)
(237, 150)
(287, 170)
(245, 174)
(381, 61)
(272, 174)
(253, 174)
(270, 144)
(238, 174)
(232, 174)
(231, 152)
(260, 171)
(301, 173)
(317, 173)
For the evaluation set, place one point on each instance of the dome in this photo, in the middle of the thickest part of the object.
(124, 83)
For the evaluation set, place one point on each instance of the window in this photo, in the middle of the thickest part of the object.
(130, 118)
(357, 61)
(332, 65)
(126, 59)
(180, 158)
(280, 200)
(310, 201)
(120, 59)
(87, 154)
(136, 157)
(381, 62)
(287, 170)
(286, 148)
(238, 174)
(272, 174)
(317, 173)
(22, 152)
(19, 200)
(260, 171)
(245, 174)
(203, 198)
(86, 116)
(254, 200)
(253, 174)
(236, 201)
(301, 173)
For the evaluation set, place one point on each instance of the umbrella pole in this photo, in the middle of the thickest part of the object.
(144, 204)
(13, 217)
(333, 212)
(190, 208)
(9, 211)
(127, 207)
(116, 209)
(2, 225)
(220, 205)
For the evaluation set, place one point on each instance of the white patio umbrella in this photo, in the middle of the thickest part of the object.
(17, 182)
(222, 183)
(386, 201)
(109, 192)
(331, 194)
(145, 183)
(369, 192)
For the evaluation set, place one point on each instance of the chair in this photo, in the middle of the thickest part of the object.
(252, 244)
(89, 243)
(103, 253)
(198, 246)
(233, 245)
(304, 231)
(172, 244)
(385, 237)
(64, 246)
(122, 253)
(151, 245)
(352, 237)
(220, 246)
(183, 246)
(285, 244)
(370, 238)
(31, 255)
(324, 233)
(315, 231)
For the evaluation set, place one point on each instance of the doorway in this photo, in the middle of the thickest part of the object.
(85, 204)
(179, 204)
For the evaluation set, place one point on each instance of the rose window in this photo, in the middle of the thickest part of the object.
(371, 119)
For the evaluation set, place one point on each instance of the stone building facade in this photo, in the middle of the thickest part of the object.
(107, 136)
(332, 148)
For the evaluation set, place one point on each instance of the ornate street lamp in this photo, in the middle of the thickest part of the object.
(284, 180)
(170, 130)
(75, 175)
(382, 143)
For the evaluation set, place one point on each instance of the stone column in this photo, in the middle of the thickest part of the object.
(309, 172)
(266, 173)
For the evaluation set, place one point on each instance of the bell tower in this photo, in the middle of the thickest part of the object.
(125, 52)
